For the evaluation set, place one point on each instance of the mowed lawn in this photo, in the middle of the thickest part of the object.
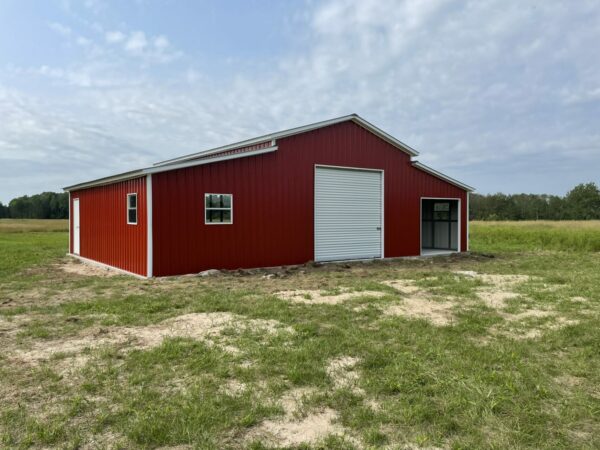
(498, 349)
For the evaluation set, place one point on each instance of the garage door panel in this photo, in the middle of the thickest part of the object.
(348, 205)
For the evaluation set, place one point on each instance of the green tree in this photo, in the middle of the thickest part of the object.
(47, 205)
(583, 202)
(3, 211)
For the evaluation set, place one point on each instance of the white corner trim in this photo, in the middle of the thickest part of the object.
(468, 220)
(149, 231)
(91, 262)
(69, 209)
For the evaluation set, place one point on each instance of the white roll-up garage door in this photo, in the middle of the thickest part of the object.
(348, 214)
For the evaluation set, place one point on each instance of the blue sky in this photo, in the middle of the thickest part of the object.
(501, 94)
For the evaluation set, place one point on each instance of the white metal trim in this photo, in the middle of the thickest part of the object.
(468, 220)
(328, 166)
(441, 176)
(149, 170)
(200, 162)
(382, 214)
(129, 194)
(459, 248)
(76, 199)
(218, 209)
(107, 180)
(149, 231)
(69, 212)
(363, 169)
(105, 266)
(298, 130)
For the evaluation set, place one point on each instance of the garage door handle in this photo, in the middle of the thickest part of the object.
(378, 228)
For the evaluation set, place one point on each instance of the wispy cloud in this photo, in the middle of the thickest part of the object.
(61, 29)
(152, 49)
(114, 37)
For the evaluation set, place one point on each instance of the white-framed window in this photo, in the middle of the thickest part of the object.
(218, 209)
(132, 209)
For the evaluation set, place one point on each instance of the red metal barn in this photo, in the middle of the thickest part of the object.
(335, 190)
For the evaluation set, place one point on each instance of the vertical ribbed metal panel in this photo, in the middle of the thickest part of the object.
(347, 214)
(274, 203)
(105, 235)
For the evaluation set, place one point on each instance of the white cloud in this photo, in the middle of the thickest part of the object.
(137, 42)
(61, 29)
(114, 37)
(161, 42)
(83, 41)
(151, 49)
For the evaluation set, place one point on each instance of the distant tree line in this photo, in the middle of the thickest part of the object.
(47, 205)
(581, 203)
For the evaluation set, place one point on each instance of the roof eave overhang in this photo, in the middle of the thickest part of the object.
(150, 170)
(442, 176)
(106, 180)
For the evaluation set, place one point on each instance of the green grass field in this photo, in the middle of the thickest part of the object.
(461, 352)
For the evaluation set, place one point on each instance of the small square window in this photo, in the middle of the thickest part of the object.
(132, 209)
(218, 208)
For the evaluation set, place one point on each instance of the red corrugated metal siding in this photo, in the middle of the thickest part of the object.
(105, 235)
(273, 201)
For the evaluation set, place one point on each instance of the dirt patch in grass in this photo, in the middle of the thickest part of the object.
(343, 374)
(293, 432)
(569, 381)
(419, 307)
(418, 303)
(7, 326)
(77, 267)
(532, 331)
(206, 327)
(107, 440)
(498, 289)
(294, 429)
(234, 388)
(46, 295)
(319, 297)
(403, 286)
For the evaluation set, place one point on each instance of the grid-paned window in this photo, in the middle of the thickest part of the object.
(218, 208)
(132, 209)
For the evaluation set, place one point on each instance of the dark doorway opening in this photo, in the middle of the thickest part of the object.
(439, 224)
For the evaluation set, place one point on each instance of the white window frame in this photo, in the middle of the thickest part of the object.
(230, 209)
(132, 194)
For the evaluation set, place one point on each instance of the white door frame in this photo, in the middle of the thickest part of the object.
(459, 248)
(76, 227)
(364, 169)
